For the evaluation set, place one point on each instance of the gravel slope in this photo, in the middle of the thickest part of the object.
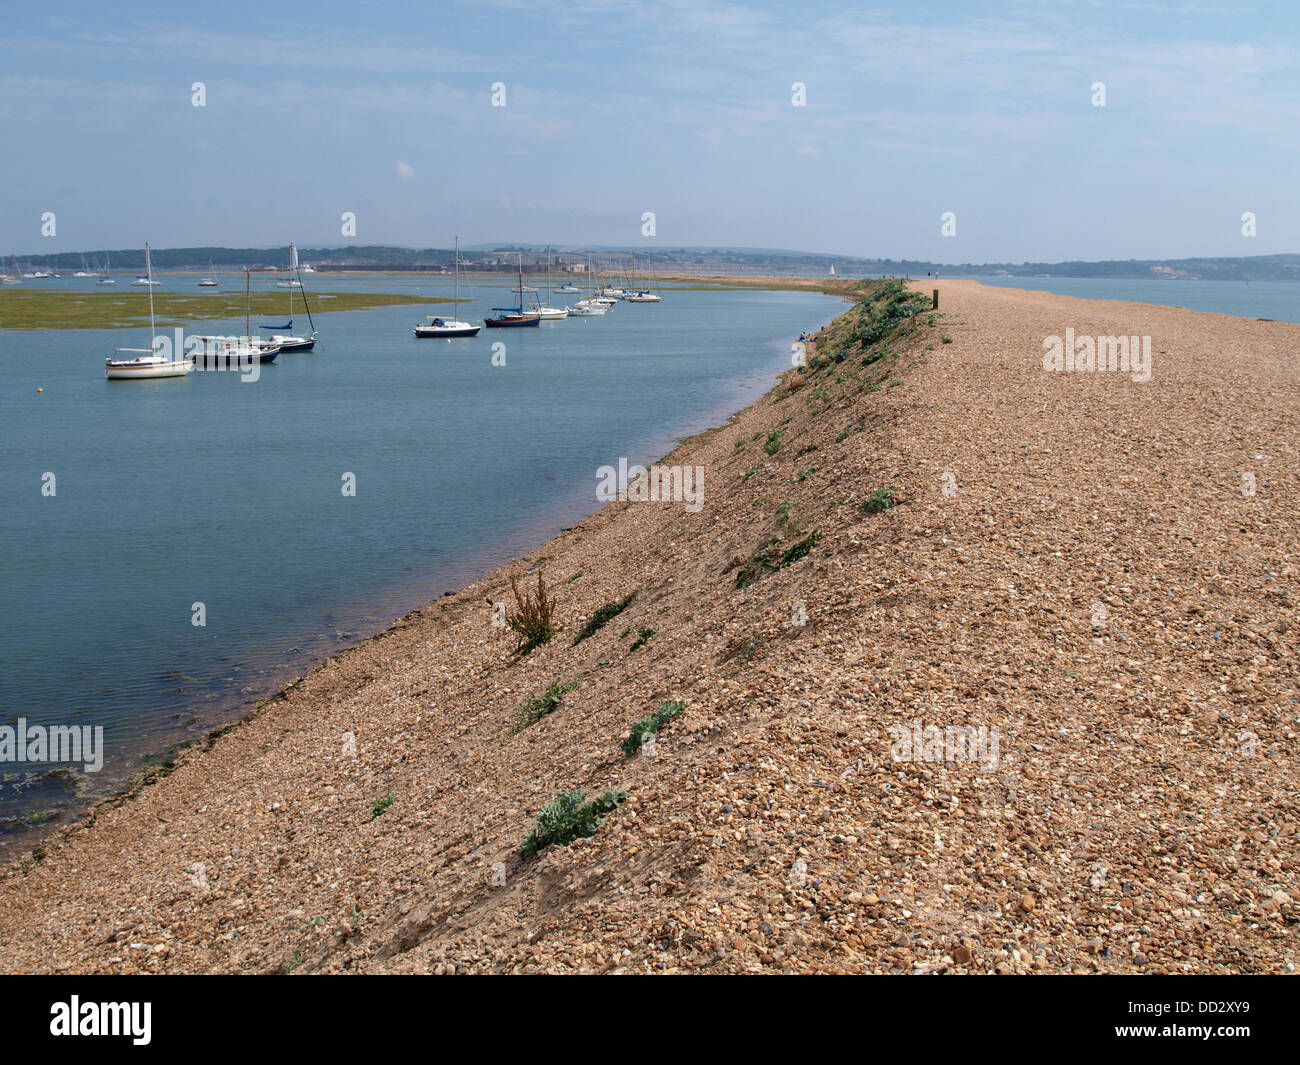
(1073, 561)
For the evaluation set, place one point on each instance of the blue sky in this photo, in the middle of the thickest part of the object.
(680, 107)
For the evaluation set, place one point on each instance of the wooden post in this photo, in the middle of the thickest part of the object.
(934, 305)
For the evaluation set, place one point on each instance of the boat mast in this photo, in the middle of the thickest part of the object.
(248, 302)
(456, 301)
(148, 273)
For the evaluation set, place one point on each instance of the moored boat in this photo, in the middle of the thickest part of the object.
(286, 341)
(514, 317)
(147, 362)
(438, 327)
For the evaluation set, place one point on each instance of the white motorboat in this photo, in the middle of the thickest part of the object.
(147, 362)
(587, 309)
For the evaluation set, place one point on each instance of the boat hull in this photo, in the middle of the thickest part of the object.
(125, 371)
(233, 358)
(432, 332)
(512, 321)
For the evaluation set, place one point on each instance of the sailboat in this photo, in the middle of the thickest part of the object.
(106, 280)
(230, 352)
(591, 307)
(147, 362)
(15, 278)
(548, 313)
(83, 272)
(437, 326)
(209, 281)
(514, 317)
(292, 282)
(287, 341)
(598, 296)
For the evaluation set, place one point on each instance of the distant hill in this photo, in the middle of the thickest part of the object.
(1284, 267)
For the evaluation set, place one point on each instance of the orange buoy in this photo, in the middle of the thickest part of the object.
(39, 389)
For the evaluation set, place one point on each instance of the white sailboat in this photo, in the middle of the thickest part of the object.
(224, 352)
(549, 313)
(436, 326)
(292, 282)
(147, 362)
(209, 281)
(105, 279)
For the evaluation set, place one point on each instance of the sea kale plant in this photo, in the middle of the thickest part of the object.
(567, 817)
(650, 724)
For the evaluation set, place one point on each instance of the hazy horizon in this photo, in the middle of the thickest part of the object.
(686, 110)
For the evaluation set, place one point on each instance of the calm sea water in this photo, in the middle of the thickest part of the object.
(210, 490)
(1279, 300)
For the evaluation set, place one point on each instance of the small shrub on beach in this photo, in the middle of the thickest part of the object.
(642, 637)
(567, 817)
(534, 621)
(773, 443)
(880, 499)
(533, 710)
(768, 561)
(746, 649)
(603, 616)
(652, 723)
(380, 805)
